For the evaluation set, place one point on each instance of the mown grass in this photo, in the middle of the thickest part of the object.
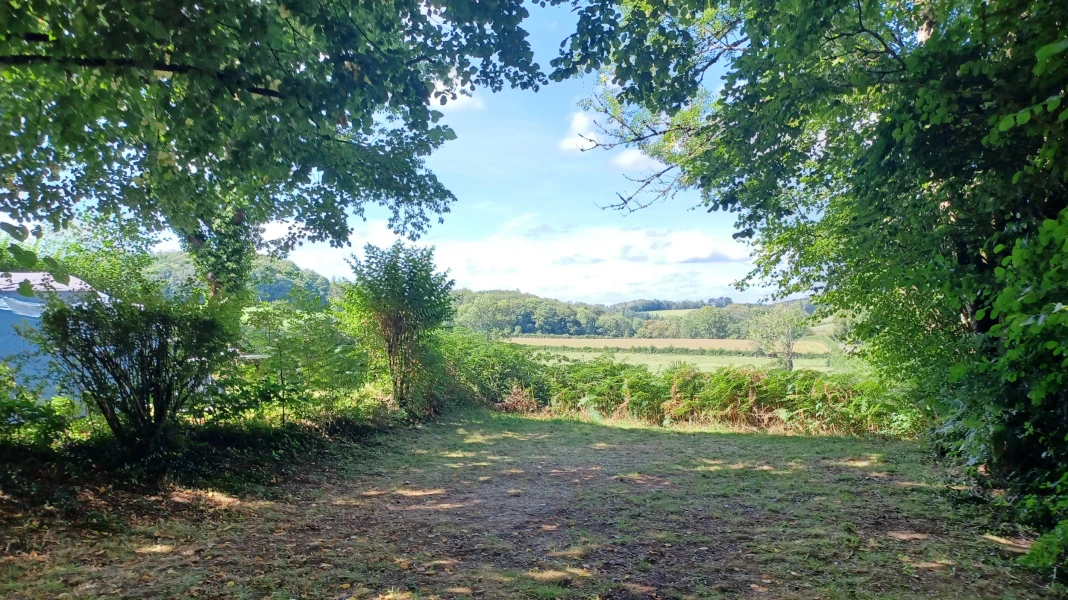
(483, 505)
(658, 362)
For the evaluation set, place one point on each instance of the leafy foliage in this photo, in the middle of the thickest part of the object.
(25, 420)
(181, 112)
(398, 297)
(138, 365)
(778, 329)
(885, 156)
(270, 278)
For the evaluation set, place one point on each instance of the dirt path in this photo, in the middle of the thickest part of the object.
(490, 506)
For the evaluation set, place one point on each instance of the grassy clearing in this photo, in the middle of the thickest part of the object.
(484, 505)
(702, 362)
(805, 346)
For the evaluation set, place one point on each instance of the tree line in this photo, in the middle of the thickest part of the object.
(508, 313)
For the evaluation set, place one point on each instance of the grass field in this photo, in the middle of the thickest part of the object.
(813, 346)
(703, 362)
(667, 314)
(481, 505)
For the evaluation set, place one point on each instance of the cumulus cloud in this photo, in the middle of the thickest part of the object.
(584, 263)
(581, 133)
(463, 101)
(633, 159)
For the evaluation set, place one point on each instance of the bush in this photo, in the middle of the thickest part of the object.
(807, 401)
(23, 418)
(482, 371)
(139, 365)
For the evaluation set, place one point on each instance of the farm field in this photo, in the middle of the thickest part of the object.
(492, 506)
(657, 362)
(813, 346)
(670, 314)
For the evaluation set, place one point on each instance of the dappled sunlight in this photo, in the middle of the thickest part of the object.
(908, 484)
(216, 500)
(457, 454)
(417, 493)
(857, 462)
(1017, 546)
(491, 438)
(573, 552)
(373, 493)
(155, 549)
(645, 479)
(435, 507)
(907, 536)
(603, 446)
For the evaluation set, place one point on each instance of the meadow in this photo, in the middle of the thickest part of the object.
(704, 362)
(669, 314)
(804, 346)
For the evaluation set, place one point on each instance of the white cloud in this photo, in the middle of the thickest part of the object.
(464, 100)
(593, 264)
(580, 133)
(583, 263)
(633, 159)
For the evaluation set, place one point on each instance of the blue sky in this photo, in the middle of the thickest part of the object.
(527, 214)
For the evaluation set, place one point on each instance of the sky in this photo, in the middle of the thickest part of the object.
(528, 213)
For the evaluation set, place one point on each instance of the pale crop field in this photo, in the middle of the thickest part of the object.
(813, 346)
(657, 362)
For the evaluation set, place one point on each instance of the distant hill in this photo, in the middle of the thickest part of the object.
(273, 278)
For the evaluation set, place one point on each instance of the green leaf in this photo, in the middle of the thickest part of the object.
(19, 232)
(1023, 116)
(1006, 123)
(25, 289)
(999, 248)
(1045, 52)
(24, 258)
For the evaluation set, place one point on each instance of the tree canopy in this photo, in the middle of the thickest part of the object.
(903, 160)
(182, 112)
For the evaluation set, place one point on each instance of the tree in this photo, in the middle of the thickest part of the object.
(399, 296)
(778, 329)
(270, 278)
(659, 328)
(190, 115)
(902, 161)
(614, 325)
(706, 322)
(139, 364)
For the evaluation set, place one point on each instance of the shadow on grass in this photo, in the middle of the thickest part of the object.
(483, 505)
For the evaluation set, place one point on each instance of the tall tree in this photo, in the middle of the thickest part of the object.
(303, 110)
(777, 330)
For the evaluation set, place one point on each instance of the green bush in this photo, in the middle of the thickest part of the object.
(138, 365)
(807, 401)
(24, 419)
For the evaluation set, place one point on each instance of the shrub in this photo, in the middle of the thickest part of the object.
(23, 418)
(399, 297)
(139, 365)
(480, 370)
